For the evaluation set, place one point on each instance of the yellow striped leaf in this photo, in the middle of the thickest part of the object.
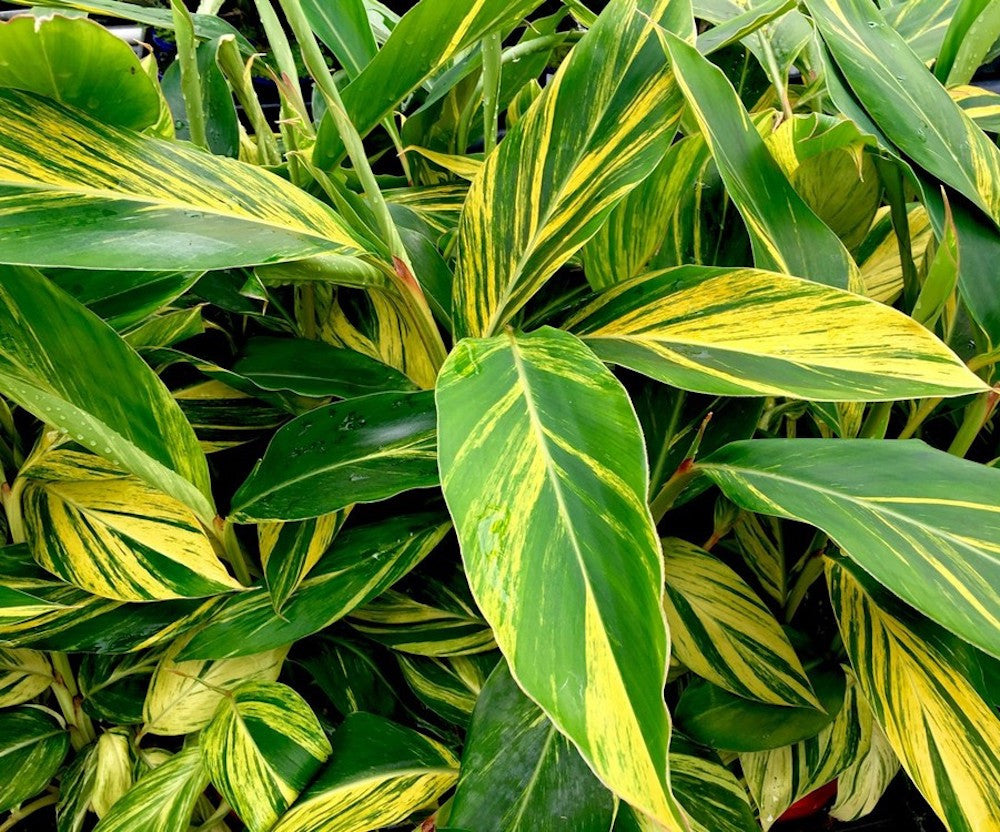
(449, 686)
(597, 130)
(881, 270)
(105, 397)
(861, 785)
(946, 736)
(33, 745)
(547, 504)
(785, 233)
(377, 775)
(112, 770)
(261, 749)
(183, 695)
(107, 532)
(163, 799)
(748, 332)
(762, 552)
(134, 202)
(979, 104)
(722, 631)
(907, 102)
(933, 541)
(288, 551)
(711, 794)
(24, 674)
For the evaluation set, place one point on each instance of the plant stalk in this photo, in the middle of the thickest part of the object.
(17, 815)
(81, 729)
(187, 57)
(977, 414)
(492, 47)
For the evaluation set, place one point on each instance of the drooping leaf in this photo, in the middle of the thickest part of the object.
(363, 563)
(724, 633)
(751, 332)
(377, 774)
(598, 129)
(786, 235)
(107, 532)
(104, 397)
(358, 451)
(32, 747)
(519, 773)
(261, 749)
(561, 495)
(81, 64)
(932, 541)
(129, 201)
(946, 736)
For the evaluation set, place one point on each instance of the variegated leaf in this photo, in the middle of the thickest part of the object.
(288, 551)
(113, 765)
(24, 674)
(33, 745)
(598, 129)
(710, 793)
(861, 785)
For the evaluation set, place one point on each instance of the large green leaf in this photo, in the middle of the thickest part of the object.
(924, 523)
(378, 774)
(519, 774)
(363, 563)
(559, 547)
(79, 63)
(32, 747)
(907, 102)
(423, 41)
(946, 736)
(751, 332)
(103, 396)
(358, 451)
(785, 233)
(598, 129)
(261, 749)
(128, 201)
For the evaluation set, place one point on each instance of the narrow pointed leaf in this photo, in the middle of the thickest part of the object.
(378, 773)
(559, 547)
(133, 202)
(946, 736)
(358, 451)
(786, 235)
(933, 541)
(751, 332)
(104, 397)
(598, 129)
(261, 749)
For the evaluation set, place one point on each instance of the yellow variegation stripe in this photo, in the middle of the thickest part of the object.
(762, 554)
(467, 167)
(146, 182)
(881, 270)
(223, 417)
(596, 131)
(288, 551)
(112, 770)
(779, 777)
(546, 505)
(261, 749)
(17, 606)
(450, 684)
(163, 799)
(711, 794)
(440, 206)
(183, 695)
(750, 332)
(24, 674)
(109, 533)
(861, 785)
(946, 736)
(725, 634)
(981, 105)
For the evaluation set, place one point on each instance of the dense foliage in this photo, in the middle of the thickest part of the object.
(522, 432)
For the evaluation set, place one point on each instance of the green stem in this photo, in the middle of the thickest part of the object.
(81, 729)
(924, 409)
(232, 66)
(672, 488)
(977, 414)
(675, 416)
(893, 181)
(187, 57)
(492, 49)
(877, 421)
(225, 532)
(17, 815)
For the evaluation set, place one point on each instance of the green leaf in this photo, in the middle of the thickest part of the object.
(358, 451)
(711, 795)
(378, 774)
(113, 765)
(599, 128)
(423, 41)
(313, 368)
(748, 332)
(288, 551)
(133, 202)
(163, 800)
(344, 29)
(972, 31)
(363, 563)
(723, 720)
(931, 540)
(559, 547)
(32, 747)
(946, 736)
(261, 749)
(109, 533)
(785, 233)
(861, 785)
(723, 632)
(104, 396)
(24, 674)
(79, 63)
(907, 103)
(519, 774)
(450, 686)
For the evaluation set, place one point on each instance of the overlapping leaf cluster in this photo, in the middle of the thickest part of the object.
(522, 434)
